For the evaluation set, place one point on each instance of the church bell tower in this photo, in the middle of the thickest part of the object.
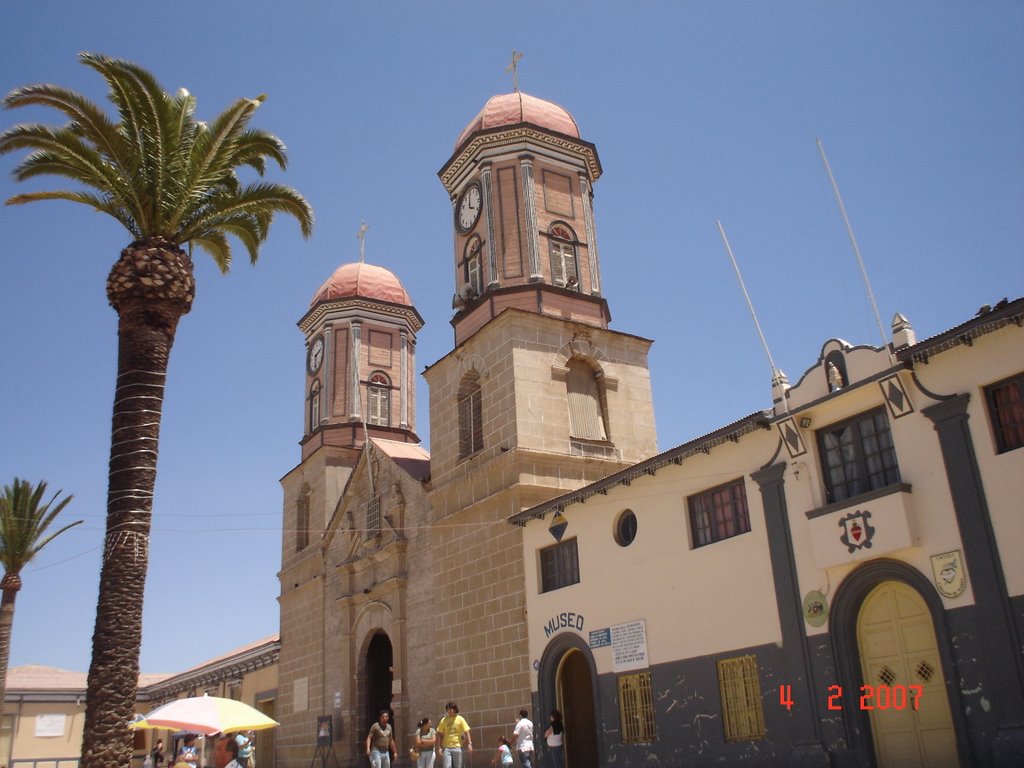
(538, 396)
(520, 185)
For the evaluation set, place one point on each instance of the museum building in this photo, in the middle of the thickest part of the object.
(837, 581)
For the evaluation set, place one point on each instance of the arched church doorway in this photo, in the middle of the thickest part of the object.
(911, 723)
(379, 676)
(575, 690)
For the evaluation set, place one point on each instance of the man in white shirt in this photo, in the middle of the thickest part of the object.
(522, 739)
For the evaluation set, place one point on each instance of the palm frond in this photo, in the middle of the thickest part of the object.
(96, 202)
(86, 118)
(260, 144)
(215, 243)
(24, 519)
(138, 95)
(158, 170)
(249, 230)
(62, 151)
(258, 200)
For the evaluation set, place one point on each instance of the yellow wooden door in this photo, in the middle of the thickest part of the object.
(898, 651)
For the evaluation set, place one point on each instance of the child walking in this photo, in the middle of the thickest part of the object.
(504, 756)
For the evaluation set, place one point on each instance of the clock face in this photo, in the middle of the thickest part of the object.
(468, 211)
(316, 354)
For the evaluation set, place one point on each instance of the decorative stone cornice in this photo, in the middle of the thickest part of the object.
(506, 136)
(321, 312)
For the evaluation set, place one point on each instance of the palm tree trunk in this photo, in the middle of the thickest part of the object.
(151, 287)
(10, 585)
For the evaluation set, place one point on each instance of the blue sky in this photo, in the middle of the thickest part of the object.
(699, 110)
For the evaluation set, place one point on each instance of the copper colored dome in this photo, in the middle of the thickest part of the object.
(513, 108)
(365, 281)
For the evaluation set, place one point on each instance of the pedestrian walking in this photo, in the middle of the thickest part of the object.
(453, 737)
(424, 743)
(522, 739)
(380, 742)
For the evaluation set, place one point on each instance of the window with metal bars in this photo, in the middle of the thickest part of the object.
(719, 513)
(373, 517)
(471, 432)
(1006, 411)
(559, 566)
(636, 709)
(740, 689)
(858, 455)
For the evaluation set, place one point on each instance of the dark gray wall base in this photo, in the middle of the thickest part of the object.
(688, 710)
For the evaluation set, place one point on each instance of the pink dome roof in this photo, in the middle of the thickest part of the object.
(512, 108)
(364, 281)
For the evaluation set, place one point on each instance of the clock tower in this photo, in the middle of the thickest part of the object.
(520, 182)
(360, 360)
(538, 397)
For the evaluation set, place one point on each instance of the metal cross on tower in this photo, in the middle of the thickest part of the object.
(361, 234)
(514, 69)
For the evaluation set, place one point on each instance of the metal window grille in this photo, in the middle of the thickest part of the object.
(559, 566)
(858, 455)
(719, 513)
(1006, 410)
(373, 517)
(742, 716)
(636, 709)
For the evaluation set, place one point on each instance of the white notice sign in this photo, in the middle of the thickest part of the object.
(49, 725)
(629, 646)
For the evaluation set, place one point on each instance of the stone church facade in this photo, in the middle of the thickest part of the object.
(402, 586)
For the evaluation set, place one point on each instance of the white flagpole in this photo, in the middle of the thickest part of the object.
(750, 305)
(856, 248)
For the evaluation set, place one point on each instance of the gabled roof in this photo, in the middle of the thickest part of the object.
(410, 457)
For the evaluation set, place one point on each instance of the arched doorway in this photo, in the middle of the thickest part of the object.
(379, 676)
(574, 684)
(911, 723)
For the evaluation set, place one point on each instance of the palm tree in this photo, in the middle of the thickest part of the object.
(24, 520)
(169, 179)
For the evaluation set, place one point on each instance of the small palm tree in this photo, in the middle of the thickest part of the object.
(170, 180)
(24, 520)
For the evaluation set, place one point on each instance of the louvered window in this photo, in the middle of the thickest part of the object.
(562, 247)
(314, 406)
(586, 411)
(559, 565)
(740, 688)
(471, 433)
(636, 709)
(379, 396)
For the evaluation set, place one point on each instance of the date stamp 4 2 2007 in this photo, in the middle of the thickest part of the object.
(871, 697)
